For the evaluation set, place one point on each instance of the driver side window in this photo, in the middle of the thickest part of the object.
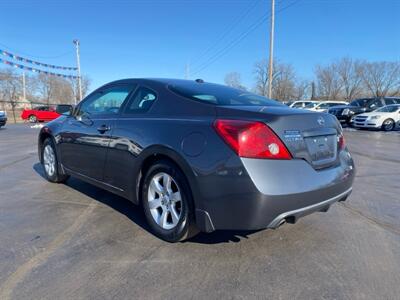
(105, 102)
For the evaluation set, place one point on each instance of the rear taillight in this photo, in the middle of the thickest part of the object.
(251, 139)
(341, 141)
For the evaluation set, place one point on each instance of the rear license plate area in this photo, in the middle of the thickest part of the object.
(321, 148)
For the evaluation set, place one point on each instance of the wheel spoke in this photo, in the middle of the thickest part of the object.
(154, 203)
(163, 219)
(156, 186)
(167, 183)
(174, 215)
(176, 197)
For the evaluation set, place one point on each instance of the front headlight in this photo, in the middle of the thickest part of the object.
(375, 117)
(345, 111)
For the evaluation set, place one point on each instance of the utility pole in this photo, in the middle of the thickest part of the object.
(313, 91)
(78, 64)
(187, 71)
(23, 86)
(271, 49)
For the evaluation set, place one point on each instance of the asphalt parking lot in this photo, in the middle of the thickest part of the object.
(76, 241)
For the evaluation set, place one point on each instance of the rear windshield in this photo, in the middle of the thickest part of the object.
(220, 95)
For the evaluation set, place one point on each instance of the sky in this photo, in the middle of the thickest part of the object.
(159, 38)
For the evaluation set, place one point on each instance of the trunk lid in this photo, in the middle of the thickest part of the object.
(308, 135)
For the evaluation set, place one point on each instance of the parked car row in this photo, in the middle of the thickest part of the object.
(378, 113)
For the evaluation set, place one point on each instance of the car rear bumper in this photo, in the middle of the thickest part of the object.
(274, 192)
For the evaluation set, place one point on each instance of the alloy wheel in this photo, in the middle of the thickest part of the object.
(388, 125)
(165, 201)
(49, 160)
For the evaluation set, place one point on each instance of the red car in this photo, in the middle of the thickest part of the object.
(45, 113)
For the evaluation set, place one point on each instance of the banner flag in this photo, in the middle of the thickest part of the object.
(35, 70)
(32, 62)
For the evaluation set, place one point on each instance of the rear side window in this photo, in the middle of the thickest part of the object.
(141, 101)
(392, 101)
(220, 95)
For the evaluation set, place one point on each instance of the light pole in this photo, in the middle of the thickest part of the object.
(271, 49)
(78, 64)
(23, 86)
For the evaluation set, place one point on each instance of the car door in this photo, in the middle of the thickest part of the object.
(85, 136)
(51, 114)
(128, 138)
(41, 113)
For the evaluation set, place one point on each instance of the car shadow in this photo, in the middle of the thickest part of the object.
(135, 214)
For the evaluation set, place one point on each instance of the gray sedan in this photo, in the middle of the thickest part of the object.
(199, 156)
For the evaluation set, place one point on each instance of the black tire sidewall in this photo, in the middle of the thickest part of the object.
(179, 231)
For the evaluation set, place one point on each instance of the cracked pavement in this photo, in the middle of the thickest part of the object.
(75, 241)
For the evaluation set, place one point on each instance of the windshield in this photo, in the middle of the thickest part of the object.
(391, 108)
(220, 95)
(311, 105)
(359, 102)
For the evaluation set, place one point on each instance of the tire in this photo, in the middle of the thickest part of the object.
(161, 202)
(32, 119)
(388, 125)
(50, 163)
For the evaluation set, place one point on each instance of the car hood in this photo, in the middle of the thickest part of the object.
(370, 114)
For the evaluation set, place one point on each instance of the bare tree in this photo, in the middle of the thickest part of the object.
(10, 88)
(329, 84)
(349, 72)
(46, 87)
(302, 90)
(86, 82)
(233, 79)
(261, 76)
(58, 90)
(284, 81)
(381, 78)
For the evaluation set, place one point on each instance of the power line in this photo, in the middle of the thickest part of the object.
(38, 57)
(241, 37)
(228, 29)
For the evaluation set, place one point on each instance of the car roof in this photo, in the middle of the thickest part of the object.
(156, 80)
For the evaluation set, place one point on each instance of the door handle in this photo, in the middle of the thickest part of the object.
(103, 128)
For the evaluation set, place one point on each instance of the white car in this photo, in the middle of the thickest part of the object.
(324, 106)
(386, 117)
(301, 103)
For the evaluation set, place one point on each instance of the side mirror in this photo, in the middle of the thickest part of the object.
(84, 118)
(65, 110)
